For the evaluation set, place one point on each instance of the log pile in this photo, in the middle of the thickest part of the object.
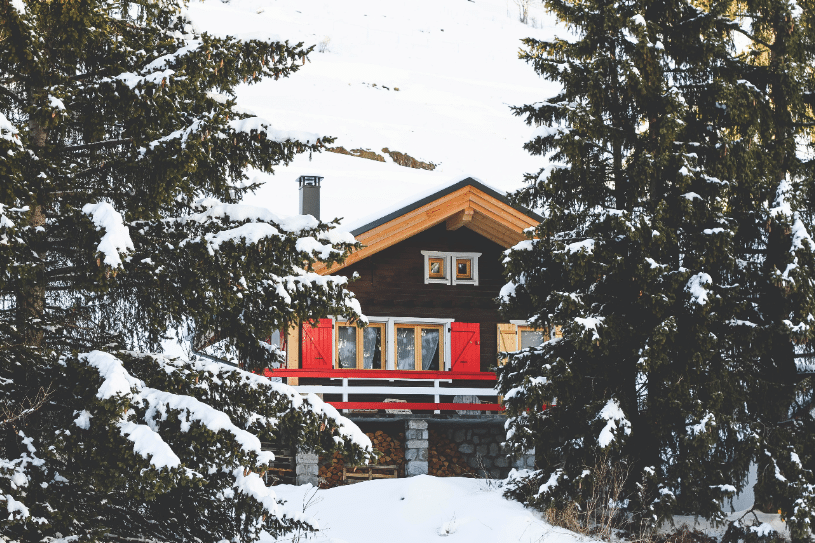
(391, 453)
(330, 474)
(444, 459)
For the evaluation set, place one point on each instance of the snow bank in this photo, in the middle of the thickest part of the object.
(421, 509)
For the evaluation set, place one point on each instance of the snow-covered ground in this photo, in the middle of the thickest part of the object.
(418, 510)
(455, 65)
(424, 509)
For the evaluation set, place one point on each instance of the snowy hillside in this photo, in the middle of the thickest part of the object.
(454, 63)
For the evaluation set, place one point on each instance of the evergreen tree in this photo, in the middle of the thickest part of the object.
(673, 159)
(123, 160)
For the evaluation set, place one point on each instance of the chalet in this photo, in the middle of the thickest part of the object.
(427, 278)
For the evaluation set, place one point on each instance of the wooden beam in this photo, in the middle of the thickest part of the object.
(293, 352)
(460, 219)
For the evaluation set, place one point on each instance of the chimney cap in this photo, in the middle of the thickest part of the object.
(309, 180)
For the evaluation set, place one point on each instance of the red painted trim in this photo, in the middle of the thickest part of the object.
(420, 406)
(381, 374)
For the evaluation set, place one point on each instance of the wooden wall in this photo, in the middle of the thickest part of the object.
(391, 283)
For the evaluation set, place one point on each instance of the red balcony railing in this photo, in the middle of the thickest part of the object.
(434, 378)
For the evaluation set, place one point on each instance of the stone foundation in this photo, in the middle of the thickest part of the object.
(416, 443)
(306, 468)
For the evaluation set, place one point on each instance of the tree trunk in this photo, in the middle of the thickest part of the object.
(30, 300)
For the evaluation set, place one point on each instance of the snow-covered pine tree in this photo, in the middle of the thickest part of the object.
(655, 260)
(123, 160)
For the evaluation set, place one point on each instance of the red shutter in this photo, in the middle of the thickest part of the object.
(465, 346)
(317, 344)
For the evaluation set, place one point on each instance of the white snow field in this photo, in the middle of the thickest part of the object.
(451, 509)
(455, 65)
(418, 510)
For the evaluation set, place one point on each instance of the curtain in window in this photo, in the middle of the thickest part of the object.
(531, 338)
(347, 346)
(405, 349)
(372, 348)
(430, 349)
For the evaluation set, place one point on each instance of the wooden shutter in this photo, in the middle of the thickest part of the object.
(507, 340)
(317, 344)
(465, 346)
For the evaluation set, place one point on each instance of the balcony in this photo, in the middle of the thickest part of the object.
(366, 391)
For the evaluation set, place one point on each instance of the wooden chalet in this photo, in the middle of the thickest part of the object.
(427, 278)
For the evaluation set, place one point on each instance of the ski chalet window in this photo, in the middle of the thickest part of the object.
(419, 347)
(360, 348)
(450, 268)
(513, 337)
(391, 343)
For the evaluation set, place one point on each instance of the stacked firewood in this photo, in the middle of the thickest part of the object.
(444, 459)
(391, 453)
(330, 474)
(391, 448)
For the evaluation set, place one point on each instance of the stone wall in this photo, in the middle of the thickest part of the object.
(479, 444)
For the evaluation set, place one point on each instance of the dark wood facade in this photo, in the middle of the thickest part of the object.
(391, 283)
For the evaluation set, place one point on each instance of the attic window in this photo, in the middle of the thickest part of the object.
(436, 268)
(450, 268)
(464, 268)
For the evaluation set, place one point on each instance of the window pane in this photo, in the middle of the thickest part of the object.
(436, 267)
(430, 349)
(405, 349)
(463, 269)
(531, 338)
(347, 346)
(372, 348)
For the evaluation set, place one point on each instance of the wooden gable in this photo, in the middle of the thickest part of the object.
(467, 204)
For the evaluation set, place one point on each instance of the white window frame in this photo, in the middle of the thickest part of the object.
(390, 336)
(450, 267)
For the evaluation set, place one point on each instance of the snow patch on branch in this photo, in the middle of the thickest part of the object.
(116, 240)
(260, 125)
(146, 440)
(241, 212)
(591, 323)
(702, 426)
(8, 131)
(696, 287)
(149, 444)
(250, 232)
(587, 246)
(551, 483)
(615, 419)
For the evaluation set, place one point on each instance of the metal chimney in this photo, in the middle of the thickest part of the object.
(310, 195)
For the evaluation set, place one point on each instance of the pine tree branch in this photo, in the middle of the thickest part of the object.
(97, 144)
(739, 29)
(9, 415)
(11, 95)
